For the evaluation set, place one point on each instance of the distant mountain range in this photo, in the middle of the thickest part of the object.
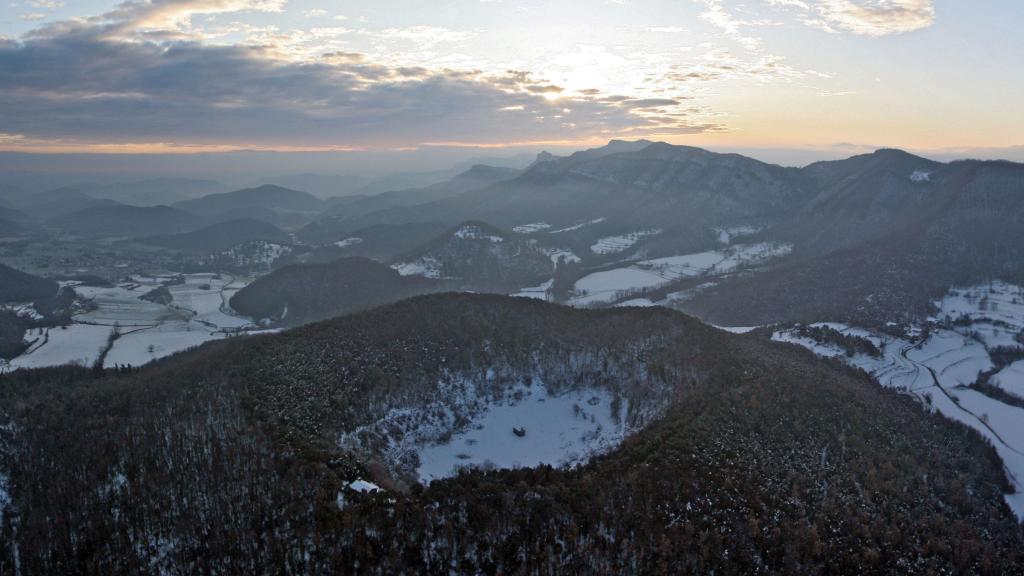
(119, 220)
(13, 222)
(685, 191)
(217, 237)
(150, 192)
(874, 236)
(267, 196)
(339, 216)
(59, 203)
(476, 177)
(72, 211)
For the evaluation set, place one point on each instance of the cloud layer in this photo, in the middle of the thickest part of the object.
(865, 17)
(142, 73)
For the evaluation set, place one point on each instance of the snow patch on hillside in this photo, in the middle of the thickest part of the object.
(360, 485)
(23, 310)
(558, 254)
(616, 244)
(737, 329)
(578, 226)
(726, 236)
(539, 292)
(920, 176)
(427, 266)
(470, 232)
(348, 242)
(531, 228)
(253, 253)
(636, 303)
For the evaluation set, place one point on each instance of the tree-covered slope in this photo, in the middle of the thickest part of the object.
(220, 236)
(303, 293)
(18, 286)
(757, 458)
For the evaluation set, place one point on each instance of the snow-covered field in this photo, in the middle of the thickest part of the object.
(607, 286)
(939, 369)
(995, 311)
(728, 235)
(78, 343)
(561, 430)
(604, 287)
(1011, 379)
(616, 244)
(198, 313)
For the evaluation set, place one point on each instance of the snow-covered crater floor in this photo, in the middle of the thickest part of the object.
(560, 430)
(469, 425)
(939, 369)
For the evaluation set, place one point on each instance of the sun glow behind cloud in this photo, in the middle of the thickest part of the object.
(262, 74)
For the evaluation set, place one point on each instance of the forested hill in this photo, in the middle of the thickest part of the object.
(745, 457)
(303, 293)
(18, 286)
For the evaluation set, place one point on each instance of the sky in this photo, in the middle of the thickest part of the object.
(162, 76)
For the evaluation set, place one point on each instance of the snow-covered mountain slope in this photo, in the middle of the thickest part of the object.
(478, 256)
(250, 257)
(872, 236)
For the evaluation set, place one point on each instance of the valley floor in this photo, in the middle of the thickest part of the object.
(145, 331)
